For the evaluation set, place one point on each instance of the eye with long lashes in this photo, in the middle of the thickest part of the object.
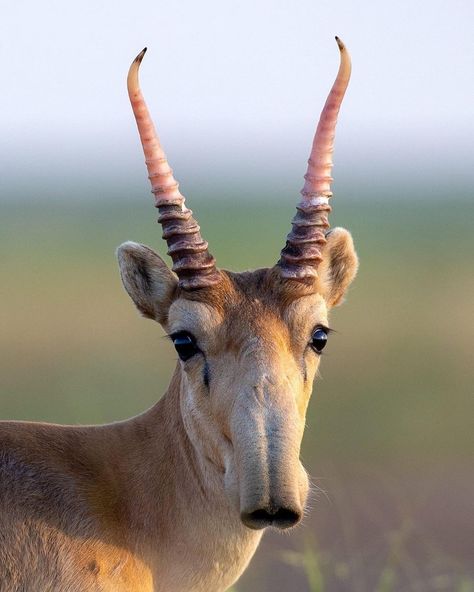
(319, 338)
(185, 344)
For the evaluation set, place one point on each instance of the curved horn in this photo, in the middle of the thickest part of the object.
(192, 262)
(302, 253)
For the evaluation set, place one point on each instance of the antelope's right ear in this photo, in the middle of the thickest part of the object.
(148, 280)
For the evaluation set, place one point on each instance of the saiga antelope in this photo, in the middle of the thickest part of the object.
(177, 499)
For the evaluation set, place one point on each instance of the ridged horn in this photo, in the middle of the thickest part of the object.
(192, 262)
(302, 254)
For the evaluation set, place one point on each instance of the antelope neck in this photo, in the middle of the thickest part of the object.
(200, 536)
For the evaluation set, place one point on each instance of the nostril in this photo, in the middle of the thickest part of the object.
(285, 518)
(279, 518)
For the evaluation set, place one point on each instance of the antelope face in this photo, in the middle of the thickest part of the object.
(249, 349)
(248, 343)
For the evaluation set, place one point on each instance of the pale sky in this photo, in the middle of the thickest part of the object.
(235, 82)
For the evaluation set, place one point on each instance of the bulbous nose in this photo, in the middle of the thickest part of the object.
(272, 515)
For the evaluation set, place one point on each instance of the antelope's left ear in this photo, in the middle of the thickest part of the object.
(338, 267)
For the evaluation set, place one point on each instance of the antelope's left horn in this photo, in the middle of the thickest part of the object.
(192, 262)
(302, 254)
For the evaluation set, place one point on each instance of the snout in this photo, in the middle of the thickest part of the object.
(278, 516)
(266, 436)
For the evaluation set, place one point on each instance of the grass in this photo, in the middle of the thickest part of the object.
(315, 565)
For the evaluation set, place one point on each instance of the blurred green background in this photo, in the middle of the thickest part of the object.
(389, 436)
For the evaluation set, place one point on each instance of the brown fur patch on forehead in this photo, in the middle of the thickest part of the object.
(265, 285)
(220, 296)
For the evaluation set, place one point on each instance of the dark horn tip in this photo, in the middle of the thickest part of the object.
(340, 43)
(140, 56)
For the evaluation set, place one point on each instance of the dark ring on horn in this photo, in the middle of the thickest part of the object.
(192, 262)
(303, 250)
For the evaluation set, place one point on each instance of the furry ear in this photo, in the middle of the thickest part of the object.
(338, 267)
(147, 279)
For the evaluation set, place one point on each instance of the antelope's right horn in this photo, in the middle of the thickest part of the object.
(192, 262)
(302, 253)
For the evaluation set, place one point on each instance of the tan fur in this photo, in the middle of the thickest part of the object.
(155, 503)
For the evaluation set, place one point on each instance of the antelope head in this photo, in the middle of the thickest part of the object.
(249, 343)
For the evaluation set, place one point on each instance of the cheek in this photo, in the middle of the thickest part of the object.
(194, 379)
(192, 372)
(211, 381)
(222, 395)
(312, 364)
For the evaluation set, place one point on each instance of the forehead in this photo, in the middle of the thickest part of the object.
(252, 301)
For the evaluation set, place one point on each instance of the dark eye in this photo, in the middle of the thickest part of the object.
(319, 339)
(185, 345)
